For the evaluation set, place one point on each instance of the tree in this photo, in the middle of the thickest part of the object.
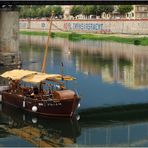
(28, 13)
(47, 11)
(57, 11)
(35, 11)
(123, 9)
(23, 11)
(99, 9)
(87, 10)
(76, 10)
(40, 12)
(107, 8)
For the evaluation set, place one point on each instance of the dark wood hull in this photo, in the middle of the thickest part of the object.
(57, 108)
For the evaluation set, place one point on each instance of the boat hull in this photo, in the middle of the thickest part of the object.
(59, 108)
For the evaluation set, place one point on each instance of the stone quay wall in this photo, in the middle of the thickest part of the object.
(9, 31)
(120, 26)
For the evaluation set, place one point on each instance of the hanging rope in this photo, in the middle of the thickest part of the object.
(58, 27)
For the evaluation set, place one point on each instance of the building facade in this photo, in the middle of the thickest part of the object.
(138, 12)
(66, 9)
(141, 11)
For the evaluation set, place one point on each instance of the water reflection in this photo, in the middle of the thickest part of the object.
(39, 131)
(115, 126)
(108, 73)
(105, 127)
(119, 134)
(110, 77)
(115, 62)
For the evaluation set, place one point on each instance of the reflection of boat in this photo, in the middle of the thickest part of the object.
(42, 98)
(41, 131)
(3, 132)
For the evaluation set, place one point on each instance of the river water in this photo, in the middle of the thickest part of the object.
(108, 75)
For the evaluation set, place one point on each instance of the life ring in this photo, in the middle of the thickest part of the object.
(34, 108)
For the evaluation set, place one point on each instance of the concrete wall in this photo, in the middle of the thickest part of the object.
(139, 26)
(9, 31)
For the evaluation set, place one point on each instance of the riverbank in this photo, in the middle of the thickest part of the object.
(129, 39)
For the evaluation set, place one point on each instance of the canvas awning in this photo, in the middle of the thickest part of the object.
(17, 74)
(65, 77)
(39, 77)
(33, 76)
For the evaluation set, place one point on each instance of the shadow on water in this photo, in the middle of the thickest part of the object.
(122, 113)
(39, 131)
(115, 126)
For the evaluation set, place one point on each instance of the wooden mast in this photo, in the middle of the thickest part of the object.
(47, 43)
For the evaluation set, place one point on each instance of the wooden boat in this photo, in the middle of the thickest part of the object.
(42, 97)
(46, 96)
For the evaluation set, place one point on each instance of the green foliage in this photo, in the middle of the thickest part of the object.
(137, 42)
(124, 62)
(78, 36)
(33, 33)
(74, 37)
(57, 11)
(76, 10)
(123, 9)
(60, 34)
(40, 11)
(91, 10)
(107, 8)
(43, 33)
(87, 10)
(99, 9)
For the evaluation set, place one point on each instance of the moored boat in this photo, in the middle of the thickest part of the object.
(40, 93)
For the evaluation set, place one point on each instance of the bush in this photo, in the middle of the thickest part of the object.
(53, 34)
(74, 36)
(137, 42)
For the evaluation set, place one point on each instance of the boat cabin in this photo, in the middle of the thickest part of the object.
(38, 85)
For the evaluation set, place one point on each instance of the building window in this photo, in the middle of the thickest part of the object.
(137, 8)
(132, 14)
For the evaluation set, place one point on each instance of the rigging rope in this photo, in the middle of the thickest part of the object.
(58, 27)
